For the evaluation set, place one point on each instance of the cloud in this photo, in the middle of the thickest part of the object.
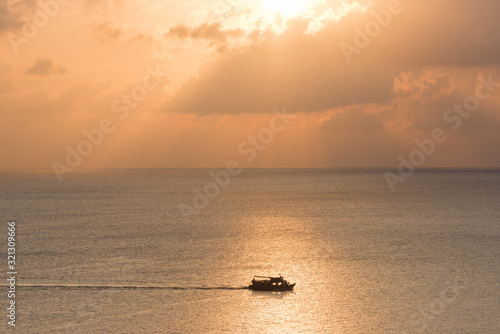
(7, 20)
(440, 32)
(422, 98)
(366, 113)
(295, 69)
(212, 32)
(106, 31)
(308, 71)
(12, 13)
(374, 135)
(44, 67)
(207, 31)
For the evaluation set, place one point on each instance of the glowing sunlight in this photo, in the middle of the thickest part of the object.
(286, 8)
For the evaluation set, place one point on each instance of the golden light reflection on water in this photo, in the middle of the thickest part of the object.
(343, 284)
(363, 262)
(285, 245)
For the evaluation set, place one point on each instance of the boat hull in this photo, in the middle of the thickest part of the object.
(271, 288)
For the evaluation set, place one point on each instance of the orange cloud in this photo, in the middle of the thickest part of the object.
(212, 31)
(308, 72)
(44, 67)
(13, 12)
(362, 114)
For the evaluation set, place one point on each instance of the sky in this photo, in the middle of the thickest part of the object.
(268, 83)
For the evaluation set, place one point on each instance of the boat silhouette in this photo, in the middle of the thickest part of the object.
(266, 283)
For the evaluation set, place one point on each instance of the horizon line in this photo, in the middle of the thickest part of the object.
(3, 169)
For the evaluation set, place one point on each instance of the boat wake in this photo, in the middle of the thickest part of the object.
(123, 287)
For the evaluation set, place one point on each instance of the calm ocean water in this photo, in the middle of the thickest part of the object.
(110, 252)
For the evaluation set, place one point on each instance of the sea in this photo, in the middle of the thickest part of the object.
(174, 250)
